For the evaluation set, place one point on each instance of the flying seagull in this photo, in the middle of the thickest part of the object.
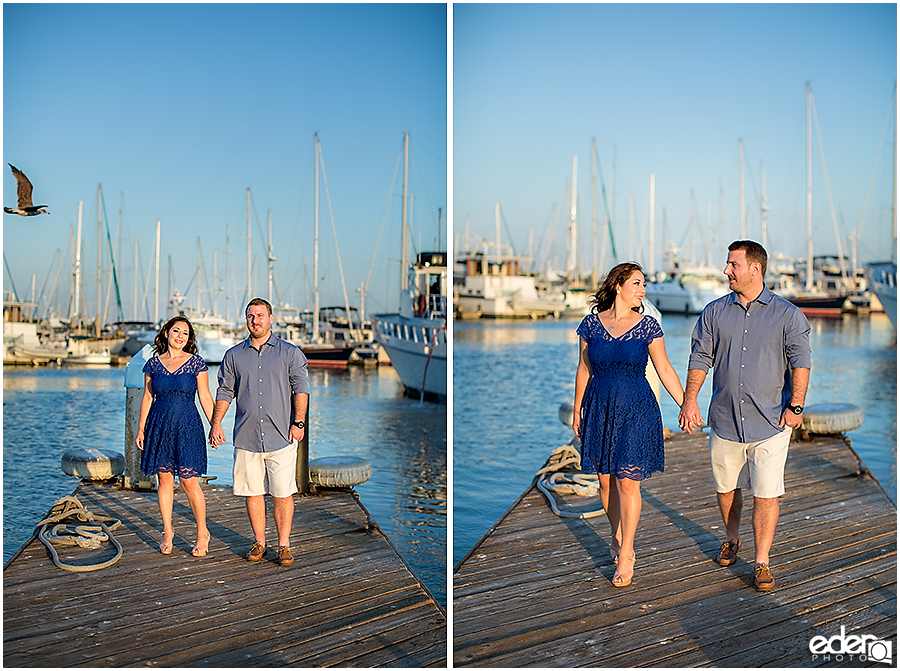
(24, 206)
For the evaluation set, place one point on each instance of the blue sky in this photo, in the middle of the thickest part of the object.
(178, 109)
(671, 89)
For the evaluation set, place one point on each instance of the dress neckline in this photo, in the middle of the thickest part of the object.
(173, 372)
(623, 334)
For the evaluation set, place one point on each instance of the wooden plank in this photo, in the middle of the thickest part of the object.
(348, 600)
(537, 592)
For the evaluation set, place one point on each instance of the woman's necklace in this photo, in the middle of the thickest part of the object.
(615, 323)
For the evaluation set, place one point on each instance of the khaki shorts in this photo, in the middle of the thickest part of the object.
(758, 466)
(273, 473)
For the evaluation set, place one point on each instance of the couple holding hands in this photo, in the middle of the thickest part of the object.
(757, 344)
(267, 377)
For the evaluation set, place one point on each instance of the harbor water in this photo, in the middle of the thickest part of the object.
(517, 373)
(359, 412)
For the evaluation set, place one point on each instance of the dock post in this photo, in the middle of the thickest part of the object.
(134, 392)
(302, 474)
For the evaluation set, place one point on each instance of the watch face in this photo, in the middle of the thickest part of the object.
(797, 409)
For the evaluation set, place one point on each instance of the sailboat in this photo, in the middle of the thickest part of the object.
(415, 338)
(312, 331)
(817, 298)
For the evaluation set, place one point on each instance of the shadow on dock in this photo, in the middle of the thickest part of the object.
(537, 591)
(348, 600)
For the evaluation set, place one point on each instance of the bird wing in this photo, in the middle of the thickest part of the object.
(25, 188)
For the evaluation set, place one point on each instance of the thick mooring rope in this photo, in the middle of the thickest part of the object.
(51, 531)
(551, 480)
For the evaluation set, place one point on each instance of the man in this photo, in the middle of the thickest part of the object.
(758, 345)
(268, 377)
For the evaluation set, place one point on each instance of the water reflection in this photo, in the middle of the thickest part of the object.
(52, 378)
(515, 332)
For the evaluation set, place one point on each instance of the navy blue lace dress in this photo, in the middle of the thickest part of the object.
(174, 440)
(621, 425)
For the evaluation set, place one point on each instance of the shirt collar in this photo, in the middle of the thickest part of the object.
(270, 341)
(765, 297)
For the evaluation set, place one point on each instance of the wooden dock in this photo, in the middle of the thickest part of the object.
(349, 600)
(536, 591)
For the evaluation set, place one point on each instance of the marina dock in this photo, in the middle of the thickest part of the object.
(536, 591)
(348, 600)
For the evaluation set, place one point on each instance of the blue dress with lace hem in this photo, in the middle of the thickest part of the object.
(174, 439)
(621, 425)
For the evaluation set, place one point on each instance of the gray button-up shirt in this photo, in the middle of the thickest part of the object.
(263, 381)
(752, 351)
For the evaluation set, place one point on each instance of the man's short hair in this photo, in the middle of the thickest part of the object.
(258, 301)
(754, 252)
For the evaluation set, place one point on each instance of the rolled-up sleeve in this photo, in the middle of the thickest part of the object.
(702, 350)
(298, 375)
(796, 340)
(226, 377)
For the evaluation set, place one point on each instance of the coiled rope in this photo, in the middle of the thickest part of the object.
(51, 531)
(551, 480)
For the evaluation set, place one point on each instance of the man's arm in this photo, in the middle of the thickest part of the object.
(301, 404)
(216, 434)
(690, 418)
(799, 385)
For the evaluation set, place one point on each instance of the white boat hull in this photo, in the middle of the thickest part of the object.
(881, 279)
(213, 349)
(89, 359)
(418, 352)
(672, 297)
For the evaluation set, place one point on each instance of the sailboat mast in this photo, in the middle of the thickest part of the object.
(99, 258)
(497, 230)
(595, 265)
(199, 267)
(228, 273)
(156, 281)
(573, 239)
(135, 278)
(215, 287)
(77, 314)
(650, 268)
(763, 207)
(249, 262)
(315, 333)
(271, 256)
(404, 251)
(809, 245)
(630, 224)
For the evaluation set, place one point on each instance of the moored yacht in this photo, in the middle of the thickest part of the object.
(687, 289)
(21, 342)
(415, 338)
(882, 281)
(496, 285)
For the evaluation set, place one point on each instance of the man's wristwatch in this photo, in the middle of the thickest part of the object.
(300, 424)
(796, 409)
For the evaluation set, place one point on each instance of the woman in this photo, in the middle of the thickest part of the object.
(170, 432)
(617, 416)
